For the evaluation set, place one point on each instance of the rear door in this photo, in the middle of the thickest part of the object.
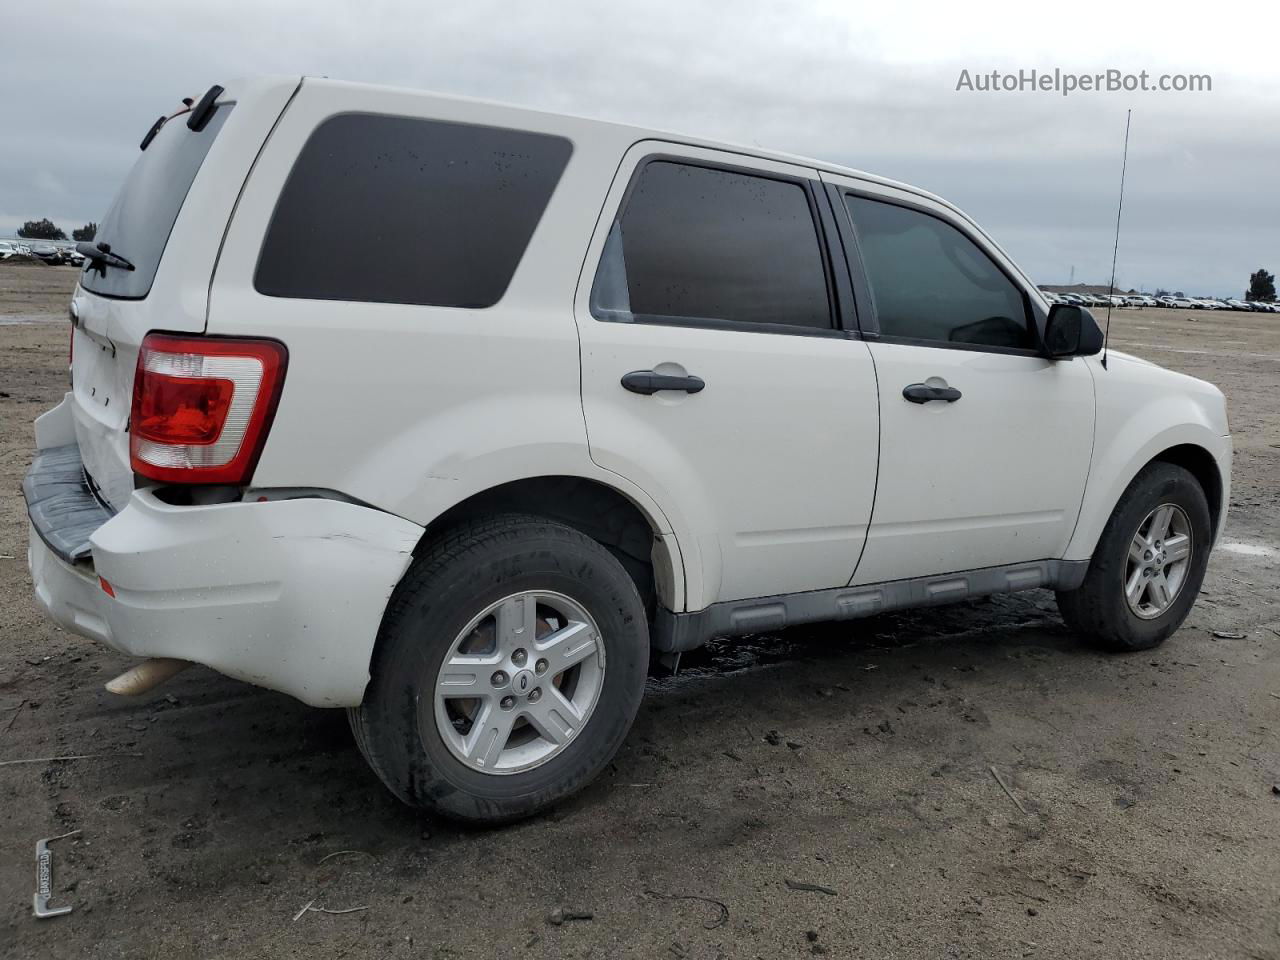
(716, 375)
(993, 471)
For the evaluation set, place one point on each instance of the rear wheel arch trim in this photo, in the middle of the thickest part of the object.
(664, 553)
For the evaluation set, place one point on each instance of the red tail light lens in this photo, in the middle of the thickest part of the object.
(202, 407)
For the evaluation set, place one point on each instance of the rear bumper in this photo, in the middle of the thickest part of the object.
(286, 594)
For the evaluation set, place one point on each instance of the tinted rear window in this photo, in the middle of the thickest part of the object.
(397, 210)
(139, 222)
(697, 244)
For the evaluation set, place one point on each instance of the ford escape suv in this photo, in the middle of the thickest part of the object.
(455, 415)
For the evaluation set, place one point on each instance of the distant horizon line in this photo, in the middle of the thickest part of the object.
(1047, 287)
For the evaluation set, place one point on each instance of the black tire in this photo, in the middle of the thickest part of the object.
(453, 581)
(1098, 609)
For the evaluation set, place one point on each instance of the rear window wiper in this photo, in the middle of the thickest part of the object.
(198, 114)
(100, 256)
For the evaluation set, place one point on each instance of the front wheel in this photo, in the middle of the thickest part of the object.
(1148, 566)
(508, 669)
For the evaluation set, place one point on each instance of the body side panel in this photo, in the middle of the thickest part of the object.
(428, 405)
(1144, 410)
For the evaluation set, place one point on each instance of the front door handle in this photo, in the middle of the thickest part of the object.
(923, 393)
(648, 382)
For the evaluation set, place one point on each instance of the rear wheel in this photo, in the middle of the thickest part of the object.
(508, 669)
(1149, 563)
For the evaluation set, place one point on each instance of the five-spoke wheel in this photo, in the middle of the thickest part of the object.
(1159, 557)
(519, 682)
(510, 664)
(1148, 564)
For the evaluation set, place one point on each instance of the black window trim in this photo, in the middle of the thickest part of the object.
(837, 311)
(871, 330)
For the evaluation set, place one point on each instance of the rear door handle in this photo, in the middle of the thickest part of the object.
(923, 393)
(648, 382)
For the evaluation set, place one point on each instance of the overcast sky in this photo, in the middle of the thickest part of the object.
(871, 86)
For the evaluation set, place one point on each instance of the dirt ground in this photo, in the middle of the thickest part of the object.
(857, 757)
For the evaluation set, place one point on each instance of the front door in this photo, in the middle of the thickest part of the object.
(985, 444)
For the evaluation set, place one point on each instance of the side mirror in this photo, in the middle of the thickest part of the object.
(1071, 331)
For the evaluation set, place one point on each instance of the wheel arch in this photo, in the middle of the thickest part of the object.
(1200, 463)
(595, 509)
(1189, 445)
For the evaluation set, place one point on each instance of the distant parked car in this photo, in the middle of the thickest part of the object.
(72, 256)
(1182, 303)
(48, 252)
(7, 250)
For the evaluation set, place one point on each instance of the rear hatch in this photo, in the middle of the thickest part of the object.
(168, 221)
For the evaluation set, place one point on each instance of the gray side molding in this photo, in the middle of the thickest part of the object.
(677, 632)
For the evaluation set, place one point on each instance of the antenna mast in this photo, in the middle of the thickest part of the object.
(1111, 290)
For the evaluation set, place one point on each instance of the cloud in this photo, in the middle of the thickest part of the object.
(872, 87)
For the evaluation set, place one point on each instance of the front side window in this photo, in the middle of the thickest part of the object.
(932, 283)
(711, 247)
(383, 209)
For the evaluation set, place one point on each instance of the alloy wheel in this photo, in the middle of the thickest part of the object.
(519, 682)
(1159, 560)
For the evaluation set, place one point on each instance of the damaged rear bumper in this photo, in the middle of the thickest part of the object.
(285, 594)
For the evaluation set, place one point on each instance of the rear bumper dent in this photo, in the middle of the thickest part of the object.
(284, 594)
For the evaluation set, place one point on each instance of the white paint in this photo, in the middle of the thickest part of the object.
(773, 464)
(761, 484)
(286, 594)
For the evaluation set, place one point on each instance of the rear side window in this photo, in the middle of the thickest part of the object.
(387, 209)
(932, 283)
(138, 225)
(706, 246)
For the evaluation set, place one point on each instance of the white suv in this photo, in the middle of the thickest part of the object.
(455, 415)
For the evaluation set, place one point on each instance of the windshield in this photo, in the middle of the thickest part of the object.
(138, 224)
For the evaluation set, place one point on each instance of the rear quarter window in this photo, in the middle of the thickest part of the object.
(138, 225)
(387, 209)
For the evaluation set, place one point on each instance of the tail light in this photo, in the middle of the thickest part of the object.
(202, 407)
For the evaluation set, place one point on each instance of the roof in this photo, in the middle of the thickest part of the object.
(653, 133)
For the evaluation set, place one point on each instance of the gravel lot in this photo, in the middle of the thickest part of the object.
(857, 757)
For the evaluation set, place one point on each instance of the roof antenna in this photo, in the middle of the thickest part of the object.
(1111, 291)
